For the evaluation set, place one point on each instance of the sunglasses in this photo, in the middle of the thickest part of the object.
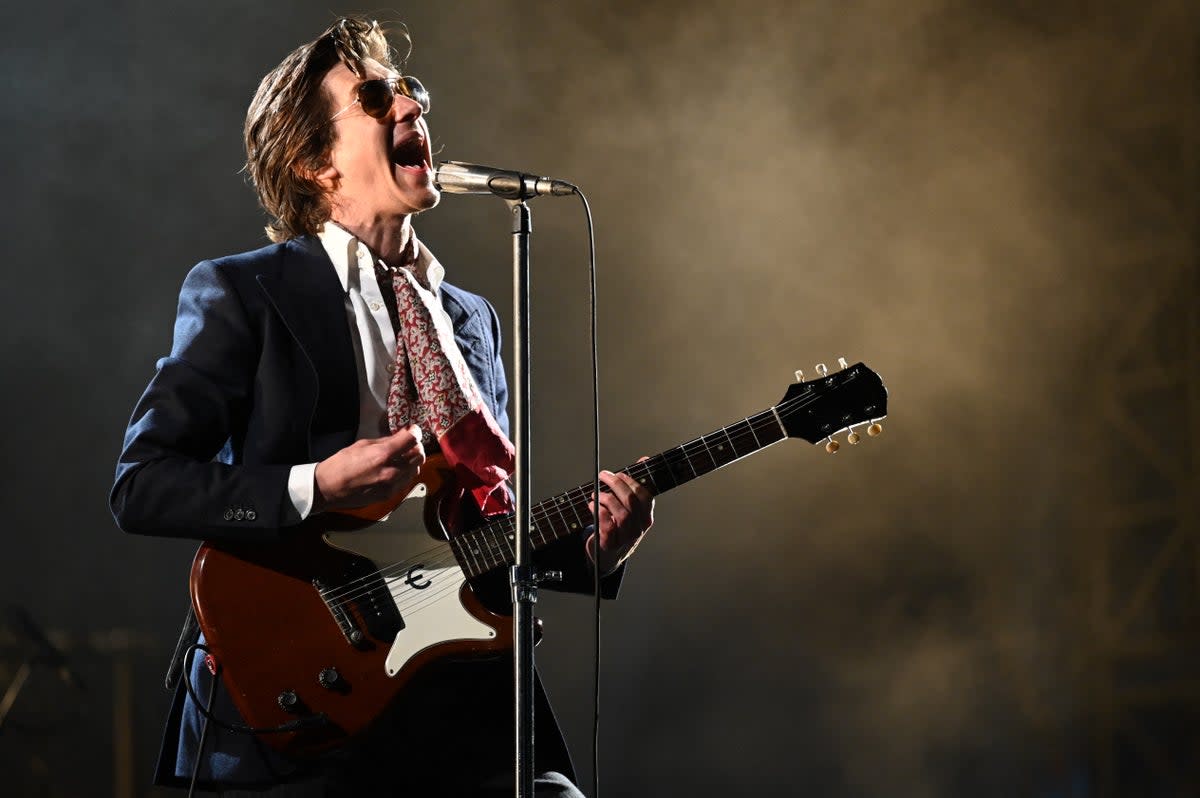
(376, 96)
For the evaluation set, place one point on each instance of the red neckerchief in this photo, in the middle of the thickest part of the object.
(433, 388)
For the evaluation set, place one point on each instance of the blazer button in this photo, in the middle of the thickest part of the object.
(228, 514)
(239, 514)
(251, 515)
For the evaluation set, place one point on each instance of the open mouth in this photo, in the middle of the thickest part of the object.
(410, 153)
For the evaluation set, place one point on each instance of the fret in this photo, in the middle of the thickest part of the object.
(779, 421)
(561, 504)
(555, 506)
(506, 536)
(468, 550)
(720, 453)
(702, 462)
(770, 427)
(456, 546)
(671, 458)
(479, 548)
(711, 454)
(541, 525)
(508, 528)
(536, 532)
(663, 475)
(479, 551)
(732, 448)
(687, 458)
(750, 426)
(735, 433)
(647, 476)
(494, 544)
(581, 520)
(576, 502)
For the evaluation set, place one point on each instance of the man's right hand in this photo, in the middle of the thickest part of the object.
(368, 470)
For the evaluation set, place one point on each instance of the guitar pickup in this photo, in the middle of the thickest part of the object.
(345, 621)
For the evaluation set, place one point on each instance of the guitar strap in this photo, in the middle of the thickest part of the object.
(188, 635)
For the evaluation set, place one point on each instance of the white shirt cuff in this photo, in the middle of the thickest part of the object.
(302, 488)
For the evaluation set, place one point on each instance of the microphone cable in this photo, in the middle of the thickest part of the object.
(587, 210)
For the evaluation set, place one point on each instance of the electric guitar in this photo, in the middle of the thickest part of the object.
(320, 633)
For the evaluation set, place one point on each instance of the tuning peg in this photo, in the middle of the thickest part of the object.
(852, 438)
(799, 375)
(842, 363)
(832, 446)
(875, 429)
(822, 369)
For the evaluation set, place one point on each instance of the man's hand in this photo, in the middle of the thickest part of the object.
(368, 470)
(626, 512)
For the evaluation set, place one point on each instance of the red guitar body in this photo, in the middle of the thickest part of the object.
(336, 621)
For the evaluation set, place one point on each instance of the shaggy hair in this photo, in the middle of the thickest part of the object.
(288, 135)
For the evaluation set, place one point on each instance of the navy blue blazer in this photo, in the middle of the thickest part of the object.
(261, 376)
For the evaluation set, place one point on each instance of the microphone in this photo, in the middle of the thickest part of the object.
(456, 177)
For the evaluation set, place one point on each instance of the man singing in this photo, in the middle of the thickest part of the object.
(313, 376)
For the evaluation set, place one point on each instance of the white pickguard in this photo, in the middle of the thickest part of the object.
(422, 576)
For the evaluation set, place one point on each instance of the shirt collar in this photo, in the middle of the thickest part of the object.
(343, 249)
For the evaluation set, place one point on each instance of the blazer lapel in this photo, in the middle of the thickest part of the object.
(308, 296)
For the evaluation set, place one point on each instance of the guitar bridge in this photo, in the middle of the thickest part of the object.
(345, 621)
(374, 605)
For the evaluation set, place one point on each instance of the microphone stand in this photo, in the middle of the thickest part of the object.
(515, 188)
(523, 578)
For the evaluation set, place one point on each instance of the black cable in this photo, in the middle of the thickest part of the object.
(595, 499)
(207, 713)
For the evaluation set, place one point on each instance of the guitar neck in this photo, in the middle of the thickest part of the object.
(492, 545)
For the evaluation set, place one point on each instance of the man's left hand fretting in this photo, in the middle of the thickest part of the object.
(626, 512)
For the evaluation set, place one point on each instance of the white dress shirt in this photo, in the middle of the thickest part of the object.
(373, 338)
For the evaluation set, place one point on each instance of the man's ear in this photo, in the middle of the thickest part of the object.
(325, 175)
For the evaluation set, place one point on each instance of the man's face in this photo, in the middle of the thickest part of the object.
(380, 169)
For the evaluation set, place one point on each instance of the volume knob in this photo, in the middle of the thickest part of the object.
(288, 700)
(328, 678)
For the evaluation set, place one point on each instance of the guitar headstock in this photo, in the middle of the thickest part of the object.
(818, 409)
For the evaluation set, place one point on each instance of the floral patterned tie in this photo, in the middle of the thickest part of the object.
(433, 388)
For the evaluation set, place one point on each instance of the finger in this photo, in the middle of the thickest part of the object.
(403, 440)
(605, 520)
(636, 499)
(619, 487)
(635, 488)
(616, 532)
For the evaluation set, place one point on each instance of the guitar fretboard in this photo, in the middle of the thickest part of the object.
(492, 546)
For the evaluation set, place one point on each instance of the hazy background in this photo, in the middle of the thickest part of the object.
(992, 204)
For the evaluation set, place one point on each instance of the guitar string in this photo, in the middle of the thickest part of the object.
(426, 600)
(353, 590)
(411, 608)
(410, 600)
(444, 558)
(350, 591)
(358, 587)
(418, 599)
(407, 606)
(582, 493)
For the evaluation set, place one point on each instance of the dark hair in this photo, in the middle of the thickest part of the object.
(288, 135)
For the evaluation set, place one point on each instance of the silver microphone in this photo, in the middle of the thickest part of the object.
(456, 177)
